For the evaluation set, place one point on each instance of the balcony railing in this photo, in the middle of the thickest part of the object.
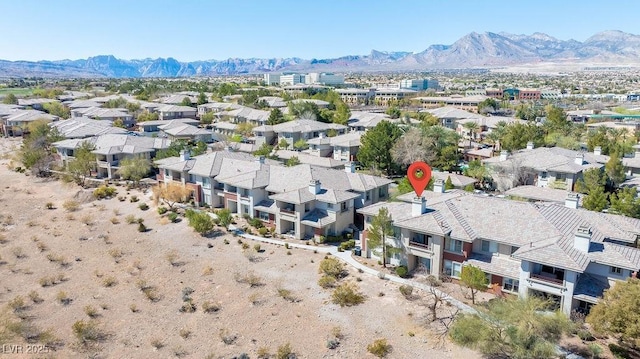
(288, 211)
(549, 278)
(422, 246)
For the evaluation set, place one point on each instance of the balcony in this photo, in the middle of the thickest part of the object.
(547, 278)
(105, 164)
(421, 246)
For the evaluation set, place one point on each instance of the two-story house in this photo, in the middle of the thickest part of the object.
(554, 250)
(171, 112)
(82, 127)
(296, 130)
(341, 148)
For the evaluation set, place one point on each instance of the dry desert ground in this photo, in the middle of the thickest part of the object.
(60, 266)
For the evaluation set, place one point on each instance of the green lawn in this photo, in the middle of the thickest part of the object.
(18, 91)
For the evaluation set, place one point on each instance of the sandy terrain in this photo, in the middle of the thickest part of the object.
(89, 251)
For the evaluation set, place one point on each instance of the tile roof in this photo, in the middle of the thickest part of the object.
(82, 127)
(305, 126)
(318, 218)
(551, 159)
(496, 264)
(536, 193)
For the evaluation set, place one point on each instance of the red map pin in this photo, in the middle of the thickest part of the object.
(419, 174)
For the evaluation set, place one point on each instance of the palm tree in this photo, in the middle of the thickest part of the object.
(472, 127)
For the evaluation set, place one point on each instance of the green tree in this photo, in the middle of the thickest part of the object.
(478, 171)
(404, 186)
(626, 202)
(36, 152)
(202, 98)
(393, 112)
(83, 163)
(201, 222)
(596, 200)
(488, 105)
(512, 328)
(264, 150)
(591, 178)
(283, 144)
(134, 169)
(292, 161)
(472, 127)
(118, 123)
(615, 170)
(186, 101)
(342, 114)
(516, 136)
(207, 118)
(448, 184)
(224, 215)
(275, 117)
(300, 145)
(57, 109)
(376, 144)
(556, 120)
(332, 132)
(10, 99)
(617, 314)
(381, 227)
(147, 116)
(473, 278)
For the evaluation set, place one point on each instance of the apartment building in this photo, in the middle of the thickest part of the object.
(301, 201)
(554, 250)
(355, 96)
(419, 84)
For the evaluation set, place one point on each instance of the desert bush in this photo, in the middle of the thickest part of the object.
(287, 295)
(347, 295)
(142, 228)
(185, 333)
(263, 231)
(71, 206)
(379, 348)
(133, 199)
(263, 353)
(88, 331)
(91, 311)
(17, 304)
(350, 244)
(209, 307)
(3, 239)
(109, 281)
(249, 278)
(35, 297)
(585, 335)
(130, 219)
(402, 271)
(255, 298)
(157, 343)
(257, 247)
(173, 258)
(162, 210)
(208, 270)
(122, 198)
(285, 352)
(133, 308)
(245, 246)
(18, 252)
(173, 217)
(63, 298)
(227, 336)
(143, 206)
(186, 293)
(104, 191)
(42, 247)
(286, 245)
(87, 220)
(116, 254)
(50, 205)
(381, 275)
(332, 267)
(256, 222)
(151, 294)
(115, 220)
(289, 253)
(327, 281)
(433, 281)
(188, 307)
(406, 290)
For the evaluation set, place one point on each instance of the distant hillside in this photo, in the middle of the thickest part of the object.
(474, 50)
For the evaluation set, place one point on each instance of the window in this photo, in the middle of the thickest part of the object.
(166, 172)
(382, 192)
(263, 216)
(452, 268)
(453, 245)
(615, 270)
(396, 232)
(367, 195)
(330, 205)
(367, 219)
(343, 206)
(489, 246)
(510, 285)
(544, 175)
(206, 182)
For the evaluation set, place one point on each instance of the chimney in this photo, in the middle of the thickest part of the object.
(582, 239)
(597, 150)
(260, 159)
(579, 160)
(418, 206)
(314, 186)
(185, 155)
(350, 167)
(530, 145)
(503, 155)
(572, 200)
(438, 186)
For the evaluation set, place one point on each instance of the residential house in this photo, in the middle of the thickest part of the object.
(216, 107)
(108, 114)
(457, 180)
(83, 127)
(17, 122)
(35, 103)
(362, 121)
(319, 103)
(342, 147)
(554, 250)
(305, 157)
(293, 131)
(110, 149)
(172, 112)
(553, 167)
(450, 116)
(273, 101)
(150, 128)
(178, 131)
(176, 99)
(632, 163)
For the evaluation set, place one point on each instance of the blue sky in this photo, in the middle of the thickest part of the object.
(218, 29)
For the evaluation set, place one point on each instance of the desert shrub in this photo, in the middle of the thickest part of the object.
(130, 219)
(333, 343)
(115, 220)
(17, 304)
(332, 267)
(157, 343)
(173, 217)
(402, 271)
(173, 258)
(379, 348)
(327, 281)
(256, 222)
(250, 278)
(245, 246)
(109, 281)
(209, 307)
(381, 275)
(350, 244)
(263, 231)
(143, 206)
(585, 335)
(263, 353)
(257, 247)
(71, 206)
(104, 192)
(285, 352)
(287, 295)
(116, 254)
(88, 331)
(50, 205)
(35, 297)
(122, 198)
(151, 293)
(188, 307)
(18, 252)
(185, 333)
(433, 281)
(63, 298)
(406, 290)
(133, 308)
(162, 210)
(91, 311)
(133, 199)
(142, 228)
(595, 349)
(347, 295)
(227, 337)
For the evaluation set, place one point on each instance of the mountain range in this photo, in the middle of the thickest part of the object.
(474, 50)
